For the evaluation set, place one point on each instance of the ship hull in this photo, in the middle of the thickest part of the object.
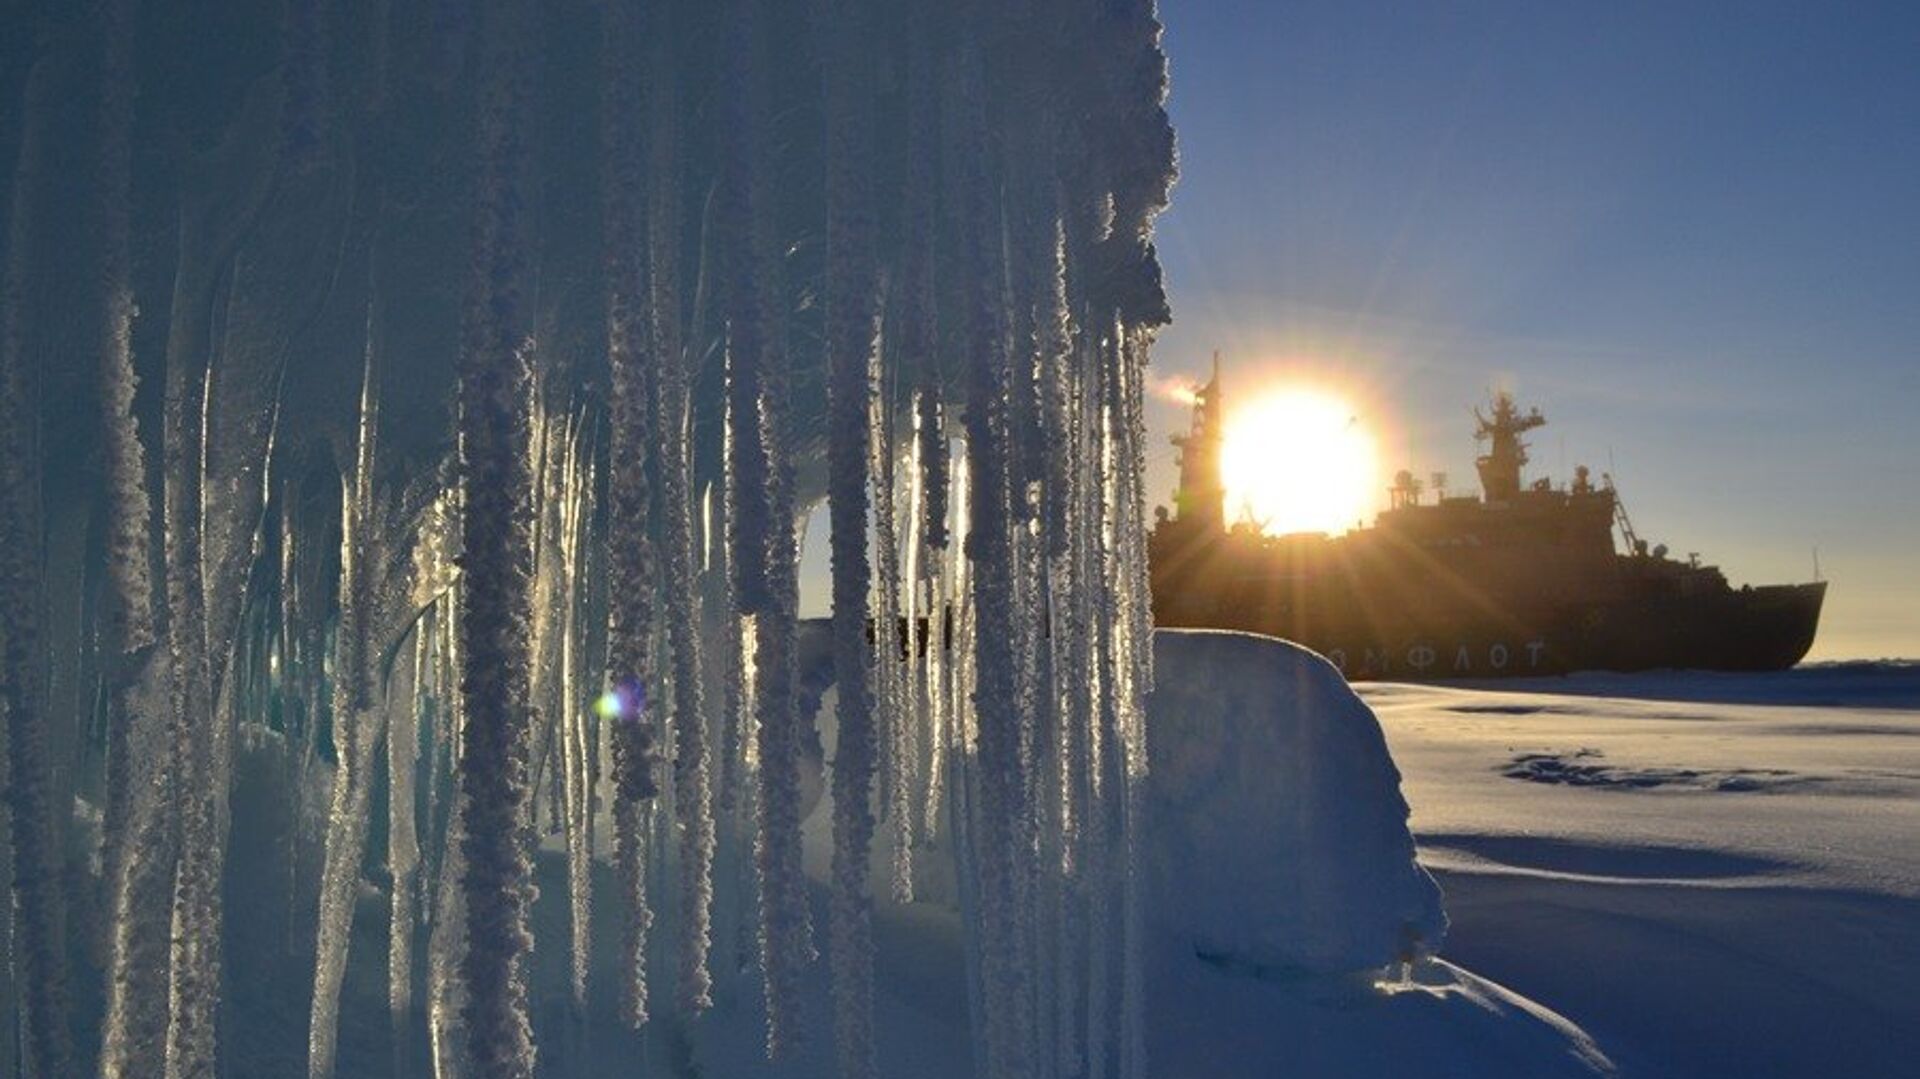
(1748, 629)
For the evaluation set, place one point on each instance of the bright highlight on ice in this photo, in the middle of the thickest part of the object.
(1299, 460)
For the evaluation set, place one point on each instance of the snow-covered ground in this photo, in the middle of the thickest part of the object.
(1667, 874)
(1713, 875)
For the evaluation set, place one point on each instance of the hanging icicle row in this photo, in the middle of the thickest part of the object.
(806, 254)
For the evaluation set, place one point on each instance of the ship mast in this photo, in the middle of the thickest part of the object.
(1500, 466)
(1201, 498)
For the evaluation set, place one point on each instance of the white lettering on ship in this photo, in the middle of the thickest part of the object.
(1421, 658)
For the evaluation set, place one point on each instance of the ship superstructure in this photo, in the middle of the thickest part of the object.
(1525, 578)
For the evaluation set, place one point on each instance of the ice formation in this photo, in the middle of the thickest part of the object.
(487, 358)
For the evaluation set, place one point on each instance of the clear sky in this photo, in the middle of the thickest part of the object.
(1689, 232)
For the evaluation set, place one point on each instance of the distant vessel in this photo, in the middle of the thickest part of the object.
(1524, 580)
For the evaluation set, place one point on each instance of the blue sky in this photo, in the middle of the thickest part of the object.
(1689, 232)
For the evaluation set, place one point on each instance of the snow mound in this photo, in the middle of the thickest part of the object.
(1282, 896)
(1277, 834)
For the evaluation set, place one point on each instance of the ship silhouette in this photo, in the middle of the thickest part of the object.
(1524, 579)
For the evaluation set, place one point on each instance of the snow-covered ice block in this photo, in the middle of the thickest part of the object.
(1276, 832)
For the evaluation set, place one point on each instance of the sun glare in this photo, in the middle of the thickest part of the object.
(1299, 460)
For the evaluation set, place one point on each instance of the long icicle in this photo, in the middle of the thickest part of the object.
(1137, 662)
(496, 879)
(129, 602)
(786, 920)
(193, 983)
(748, 514)
(896, 741)
(576, 788)
(630, 558)
(403, 843)
(851, 340)
(358, 729)
(446, 995)
(136, 847)
(691, 780)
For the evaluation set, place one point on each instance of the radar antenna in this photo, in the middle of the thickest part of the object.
(1500, 466)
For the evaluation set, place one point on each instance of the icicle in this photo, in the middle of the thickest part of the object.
(571, 716)
(1001, 813)
(1065, 639)
(134, 1028)
(851, 340)
(629, 530)
(1138, 665)
(135, 854)
(739, 536)
(914, 752)
(193, 974)
(546, 584)
(751, 328)
(956, 741)
(496, 877)
(785, 919)
(693, 810)
(922, 642)
(786, 934)
(129, 600)
(733, 802)
(446, 948)
(403, 841)
(435, 575)
(896, 740)
(358, 717)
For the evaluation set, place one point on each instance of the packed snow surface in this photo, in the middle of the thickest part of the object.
(1714, 875)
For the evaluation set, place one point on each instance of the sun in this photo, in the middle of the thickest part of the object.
(1298, 460)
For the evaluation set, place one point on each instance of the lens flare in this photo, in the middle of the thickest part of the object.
(626, 701)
